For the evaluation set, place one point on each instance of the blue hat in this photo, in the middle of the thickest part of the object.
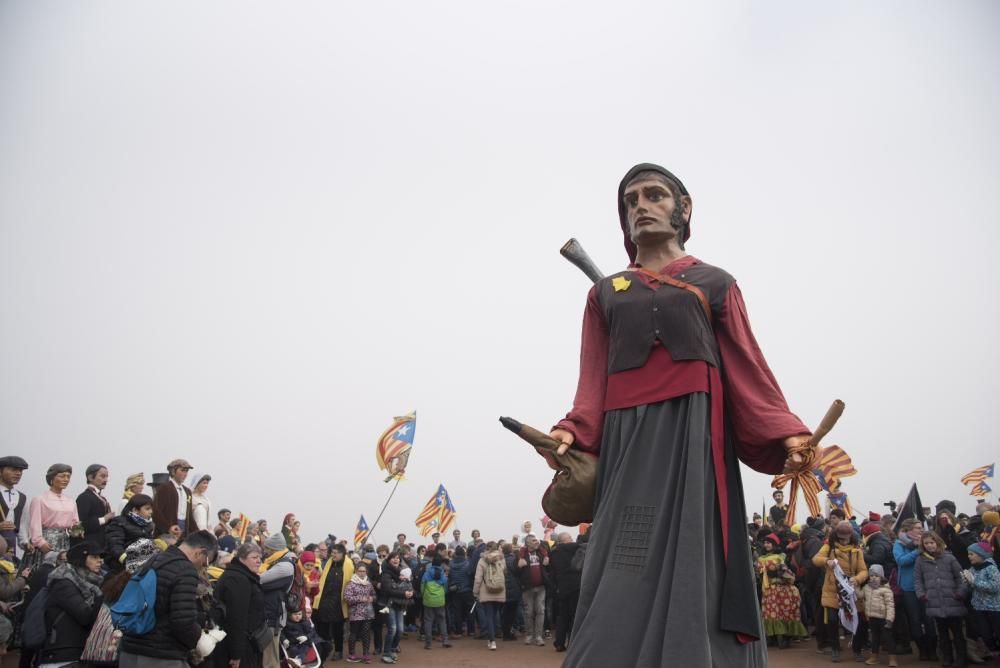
(981, 549)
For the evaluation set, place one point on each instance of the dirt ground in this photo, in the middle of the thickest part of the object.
(471, 653)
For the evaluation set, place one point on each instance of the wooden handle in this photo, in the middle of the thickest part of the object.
(829, 420)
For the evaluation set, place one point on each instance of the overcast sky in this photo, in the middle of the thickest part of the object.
(250, 234)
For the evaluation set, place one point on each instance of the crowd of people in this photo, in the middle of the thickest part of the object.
(229, 593)
(162, 579)
(933, 587)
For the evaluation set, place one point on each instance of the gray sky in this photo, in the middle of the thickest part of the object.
(250, 234)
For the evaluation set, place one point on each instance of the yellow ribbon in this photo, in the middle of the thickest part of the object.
(803, 478)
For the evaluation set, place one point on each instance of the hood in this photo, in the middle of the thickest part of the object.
(643, 167)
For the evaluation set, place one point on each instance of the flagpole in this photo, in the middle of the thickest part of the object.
(371, 532)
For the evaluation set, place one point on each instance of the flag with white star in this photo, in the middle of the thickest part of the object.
(393, 450)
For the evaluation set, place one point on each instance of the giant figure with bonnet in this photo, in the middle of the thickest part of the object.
(673, 393)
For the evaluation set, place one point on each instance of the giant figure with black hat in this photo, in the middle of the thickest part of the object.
(673, 393)
(13, 503)
(172, 501)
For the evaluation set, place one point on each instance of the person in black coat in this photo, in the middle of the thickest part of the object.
(135, 522)
(512, 590)
(93, 509)
(178, 619)
(239, 591)
(73, 603)
(878, 548)
(567, 580)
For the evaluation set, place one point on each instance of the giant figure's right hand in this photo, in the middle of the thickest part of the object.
(563, 436)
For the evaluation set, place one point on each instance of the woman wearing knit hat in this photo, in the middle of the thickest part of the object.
(841, 548)
(984, 578)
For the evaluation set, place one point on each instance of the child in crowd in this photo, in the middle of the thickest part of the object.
(310, 574)
(780, 601)
(984, 578)
(939, 584)
(434, 585)
(360, 597)
(880, 609)
(298, 637)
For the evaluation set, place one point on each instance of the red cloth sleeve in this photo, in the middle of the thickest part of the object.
(586, 420)
(757, 410)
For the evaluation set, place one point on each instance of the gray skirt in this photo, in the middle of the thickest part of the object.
(652, 589)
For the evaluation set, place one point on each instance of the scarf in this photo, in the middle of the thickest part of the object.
(928, 555)
(357, 579)
(764, 560)
(136, 518)
(88, 583)
(273, 559)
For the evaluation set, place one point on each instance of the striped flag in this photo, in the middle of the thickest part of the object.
(978, 475)
(438, 513)
(981, 491)
(832, 465)
(361, 532)
(242, 527)
(393, 449)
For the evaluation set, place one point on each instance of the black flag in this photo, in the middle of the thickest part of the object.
(912, 507)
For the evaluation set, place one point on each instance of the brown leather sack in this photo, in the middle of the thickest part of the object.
(569, 499)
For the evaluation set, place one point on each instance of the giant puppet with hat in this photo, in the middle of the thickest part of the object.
(172, 512)
(12, 502)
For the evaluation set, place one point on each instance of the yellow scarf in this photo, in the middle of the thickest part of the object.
(270, 561)
(764, 560)
(348, 574)
(7, 567)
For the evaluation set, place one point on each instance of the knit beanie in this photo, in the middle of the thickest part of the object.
(876, 569)
(307, 557)
(773, 539)
(981, 549)
(139, 553)
(275, 543)
(870, 528)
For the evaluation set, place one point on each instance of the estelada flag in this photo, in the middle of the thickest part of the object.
(981, 491)
(392, 452)
(361, 532)
(978, 475)
(438, 513)
(912, 507)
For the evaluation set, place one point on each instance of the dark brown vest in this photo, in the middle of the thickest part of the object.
(640, 315)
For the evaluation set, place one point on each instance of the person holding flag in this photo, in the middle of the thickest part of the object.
(841, 551)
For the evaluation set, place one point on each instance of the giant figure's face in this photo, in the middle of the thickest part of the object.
(653, 213)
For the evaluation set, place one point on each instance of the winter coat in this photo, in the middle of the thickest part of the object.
(239, 590)
(119, 533)
(70, 616)
(178, 623)
(879, 602)
(986, 587)
(275, 583)
(479, 590)
(392, 589)
(939, 583)
(878, 550)
(567, 580)
(811, 541)
(433, 587)
(905, 555)
(356, 595)
(511, 579)
(853, 565)
(460, 575)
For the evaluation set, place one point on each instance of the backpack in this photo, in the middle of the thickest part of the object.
(35, 632)
(134, 613)
(493, 577)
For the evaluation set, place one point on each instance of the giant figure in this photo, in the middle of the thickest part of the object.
(673, 392)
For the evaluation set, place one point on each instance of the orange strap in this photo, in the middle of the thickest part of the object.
(670, 280)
